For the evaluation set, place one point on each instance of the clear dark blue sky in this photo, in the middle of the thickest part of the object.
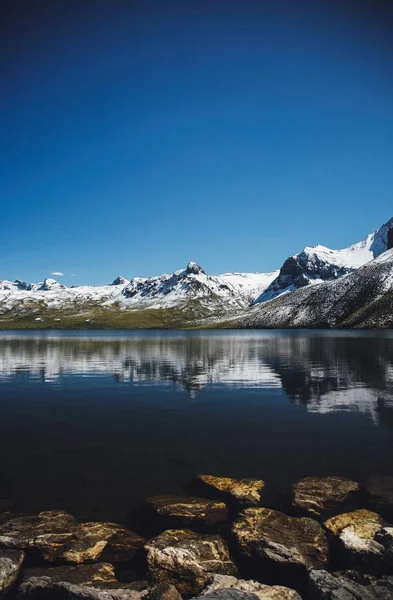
(139, 135)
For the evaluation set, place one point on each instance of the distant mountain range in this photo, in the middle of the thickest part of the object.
(318, 287)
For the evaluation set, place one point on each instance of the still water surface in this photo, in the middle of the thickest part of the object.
(94, 422)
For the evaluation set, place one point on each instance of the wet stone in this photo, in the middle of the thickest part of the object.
(260, 590)
(187, 560)
(241, 492)
(325, 497)
(57, 537)
(342, 586)
(355, 545)
(280, 549)
(10, 566)
(183, 512)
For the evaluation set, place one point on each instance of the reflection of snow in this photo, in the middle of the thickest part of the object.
(139, 362)
(361, 400)
(325, 375)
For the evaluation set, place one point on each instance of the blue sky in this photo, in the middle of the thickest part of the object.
(139, 135)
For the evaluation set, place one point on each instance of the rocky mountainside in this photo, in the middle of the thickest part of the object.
(231, 291)
(319, 263)
(318, 287)
(363, 298)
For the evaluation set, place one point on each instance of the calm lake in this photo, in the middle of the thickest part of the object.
(93, 422)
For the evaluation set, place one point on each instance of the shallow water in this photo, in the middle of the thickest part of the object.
(94, 422)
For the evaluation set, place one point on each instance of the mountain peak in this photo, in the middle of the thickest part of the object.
(194, 269)
(120, 281)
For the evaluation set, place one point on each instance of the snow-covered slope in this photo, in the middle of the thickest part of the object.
(363, 298)
(320, 263)
(231, 290)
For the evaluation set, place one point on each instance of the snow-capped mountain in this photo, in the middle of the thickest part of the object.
(345, 283)
(232, 290)
(319, 263)
(363, 298)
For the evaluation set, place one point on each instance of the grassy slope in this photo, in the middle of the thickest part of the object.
(192, 314)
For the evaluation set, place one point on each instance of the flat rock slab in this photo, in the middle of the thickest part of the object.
(57, 537)
(261, 591)
(188, 560)
(324, 497)
(242, 492)
(279, 548)
(355, 533)
(380, 496)
(10, 566)
(184, 512)
(42, 588)
(337, 586)
(97, 574)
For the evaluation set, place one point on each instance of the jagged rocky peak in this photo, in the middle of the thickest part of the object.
(390, 238)
(120, 281)
(21, 285)
(194, 269)
(51, 284)
(319, 263)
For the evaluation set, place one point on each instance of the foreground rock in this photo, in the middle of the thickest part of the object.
(340, 586)
(183, 512)
(325, 497)
(261, 591)
(279, 548)
(355, 536)
(97, 574)
(57, 537)
(380, 496)
(241, 492)
(188, 560)
(10, 565)
(42, 588)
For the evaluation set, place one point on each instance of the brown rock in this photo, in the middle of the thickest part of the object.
(261, 591)
(183, 512)
(164, 591)
(343, 586)
(58, 538)
(355, 534)
(97, 575)
(380, 495)
(38, 588)
(242, 492)
(278, 548)
(187, 559)
(324, 497)
(10, 565)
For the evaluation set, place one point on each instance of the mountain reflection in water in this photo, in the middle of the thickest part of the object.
(95, 422)
(326, 372)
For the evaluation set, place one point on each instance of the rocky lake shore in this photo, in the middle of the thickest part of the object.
(329, 538)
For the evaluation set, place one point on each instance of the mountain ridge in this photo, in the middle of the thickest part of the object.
(198, 298)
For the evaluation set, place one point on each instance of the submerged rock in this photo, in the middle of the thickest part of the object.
(324, 497)
(261, 591)
(380, 495)
(355, 533)
(10, 565)
(57, 537)
(342, 586)
(278, 548)
(243, 492)
(172, 512)
(187, 559)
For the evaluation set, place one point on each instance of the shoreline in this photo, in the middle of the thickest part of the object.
(224, 537)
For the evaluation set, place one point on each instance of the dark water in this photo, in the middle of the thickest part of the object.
(93, 423)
